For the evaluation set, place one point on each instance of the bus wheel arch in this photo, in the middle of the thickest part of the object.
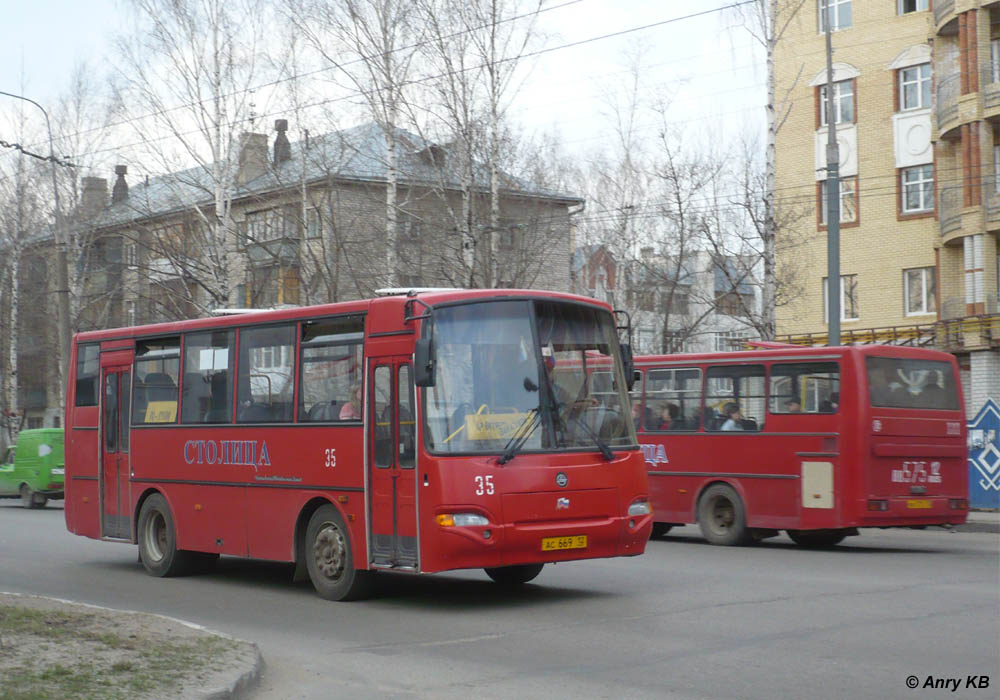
(329, 557)
(299, 536)
(721, 514)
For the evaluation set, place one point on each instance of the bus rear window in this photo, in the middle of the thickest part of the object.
(904, 383)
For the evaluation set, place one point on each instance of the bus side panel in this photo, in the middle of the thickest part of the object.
(82, 506)
(302, 463)
(207, 501)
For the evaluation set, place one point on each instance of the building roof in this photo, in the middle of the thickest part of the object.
(355, 154)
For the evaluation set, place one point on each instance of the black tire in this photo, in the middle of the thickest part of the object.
(817, 539)
(158, 540)
(660, 530)
(40, 500)
(27, 496)
(514, 575)
(722, 516)
(330, 560)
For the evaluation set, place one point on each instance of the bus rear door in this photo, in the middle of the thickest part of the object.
(116, 383)
(391, 463)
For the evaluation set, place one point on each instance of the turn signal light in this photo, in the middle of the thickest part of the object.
(461, 520)
(878, 505)
(958, 504)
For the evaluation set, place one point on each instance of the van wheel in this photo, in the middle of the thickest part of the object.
(660, 530)
(29, 497)
(514, 575)
(818, 539)
(158, 539)
(329, 558)
(722, 516)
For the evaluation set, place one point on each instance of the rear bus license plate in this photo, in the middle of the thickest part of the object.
(918, 503)
(572, 542)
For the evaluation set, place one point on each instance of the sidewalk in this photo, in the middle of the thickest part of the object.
(981, 521)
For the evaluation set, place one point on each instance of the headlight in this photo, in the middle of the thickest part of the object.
(461, 520)
(640, 508)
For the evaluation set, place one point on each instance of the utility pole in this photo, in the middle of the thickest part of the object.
(832, 197)
(62, 270)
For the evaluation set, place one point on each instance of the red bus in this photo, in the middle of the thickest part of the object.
(420, 432)
(814, 441)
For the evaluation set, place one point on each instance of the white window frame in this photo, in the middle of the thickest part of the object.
(928, 300)
(924, 186)
(842, 90)
(920, 77)
(845, 290)
(848, 186)
(838, 7)
(722, 340)
(919, 6)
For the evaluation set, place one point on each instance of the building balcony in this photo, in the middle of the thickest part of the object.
(950, 210)
(948, 90)
(957, 220)
(944, 12)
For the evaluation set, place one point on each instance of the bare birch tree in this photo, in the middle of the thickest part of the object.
(185, 87)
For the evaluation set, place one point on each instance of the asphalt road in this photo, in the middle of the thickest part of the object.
(686, 620)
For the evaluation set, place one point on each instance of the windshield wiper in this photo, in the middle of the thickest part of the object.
(601, 445)
(519, 437)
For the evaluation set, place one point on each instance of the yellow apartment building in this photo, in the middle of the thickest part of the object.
(916, 100)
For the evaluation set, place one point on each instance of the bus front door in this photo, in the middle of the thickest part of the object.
(392, 461)
(115, 508)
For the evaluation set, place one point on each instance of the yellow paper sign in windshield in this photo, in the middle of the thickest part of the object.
(494, 426)
(161, 412)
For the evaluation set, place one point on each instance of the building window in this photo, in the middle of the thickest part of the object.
(675, 341)
(915, 87)
(727, 341)
(918, 189)
(905, 7)
(677, 301)
(919, 291)
(128, 254)
(839, 12)
(843, 103)
(848, 201)
(34, 422)
(314, 223)
(996, 169)
(647, 340)
(848, 299)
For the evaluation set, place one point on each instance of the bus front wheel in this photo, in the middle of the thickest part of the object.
(722, 516)
(329, 559)
(158, 539)
(660, 530)
(514, 575)
(819, 539)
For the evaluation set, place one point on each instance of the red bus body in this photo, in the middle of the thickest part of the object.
(824, 469)
(249, 487)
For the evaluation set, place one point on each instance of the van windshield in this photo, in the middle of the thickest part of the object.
(904, 383)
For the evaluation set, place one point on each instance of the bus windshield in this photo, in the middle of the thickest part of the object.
(517, 371)
(908, 383)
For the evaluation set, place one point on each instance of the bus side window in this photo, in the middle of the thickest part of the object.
(157, 369)
(735, 398)
(207, 396)
(673, 395)
(266, 377)
(330, 366)
(804, 387)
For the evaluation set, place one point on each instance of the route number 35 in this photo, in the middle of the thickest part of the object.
(484, 485)
(331, 457)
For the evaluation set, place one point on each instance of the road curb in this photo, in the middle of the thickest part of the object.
(240, 681)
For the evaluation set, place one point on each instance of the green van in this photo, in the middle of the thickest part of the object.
(33, 470)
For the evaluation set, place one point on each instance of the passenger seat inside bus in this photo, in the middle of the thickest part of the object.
(323, 412)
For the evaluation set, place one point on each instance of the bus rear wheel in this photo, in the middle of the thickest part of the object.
(158, 539)
(514, 575)
(329, 558)
(819, 539)
(722, 516)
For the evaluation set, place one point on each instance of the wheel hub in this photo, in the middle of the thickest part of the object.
(329, 551)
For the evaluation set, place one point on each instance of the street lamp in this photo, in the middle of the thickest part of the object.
(62, 271)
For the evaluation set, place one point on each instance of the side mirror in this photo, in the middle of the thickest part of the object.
(631, 373)
(423, 365)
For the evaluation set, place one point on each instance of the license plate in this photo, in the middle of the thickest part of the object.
(58, 471)
(918, 503)
(572, 542)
